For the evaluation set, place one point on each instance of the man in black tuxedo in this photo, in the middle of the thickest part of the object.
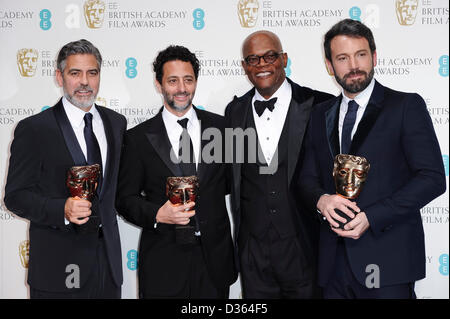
(169, 267)
(74, 244)
(380, 253)
(275, 238)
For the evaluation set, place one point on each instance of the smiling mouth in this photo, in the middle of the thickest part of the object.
(181, 96)
(263, 74)
(83, 92)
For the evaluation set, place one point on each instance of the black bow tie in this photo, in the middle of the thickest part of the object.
(260, 106)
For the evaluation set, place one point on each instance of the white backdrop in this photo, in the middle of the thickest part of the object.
(412, 56)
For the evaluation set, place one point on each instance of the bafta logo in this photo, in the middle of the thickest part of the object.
(406, 11)
(94, 12)
(100, 101)
(24, 252)
(248, 12)
(27, 62)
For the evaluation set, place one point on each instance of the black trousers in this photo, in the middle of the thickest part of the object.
(276, 268)
(344, 285)
(198, 284)
(100, 284)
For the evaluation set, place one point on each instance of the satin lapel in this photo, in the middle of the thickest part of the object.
(331, 123)
(204, 124)
(69, 135)
(238, 120)
(157, 135)
(369, 118)
(110, 156)
(298, 116)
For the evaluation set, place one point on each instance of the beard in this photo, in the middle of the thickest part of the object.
(172, 104)
(355, 86)
(81, 103)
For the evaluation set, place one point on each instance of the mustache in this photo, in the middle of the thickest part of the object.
(84, 88)
(356, 72)
(181, 93)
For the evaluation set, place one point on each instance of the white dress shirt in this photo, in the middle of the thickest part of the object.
(270, 124)
(174, 130)
(362, 99)
(76, 119)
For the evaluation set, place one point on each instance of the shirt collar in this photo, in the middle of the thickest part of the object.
(76, 115)
(171, 119)
(282, 92)
(283, 95)
(363, 97)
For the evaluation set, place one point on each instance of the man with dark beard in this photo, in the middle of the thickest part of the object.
(200, 263)
(380, 253)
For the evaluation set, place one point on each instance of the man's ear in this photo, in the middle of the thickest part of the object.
(158, 86)
(59, 77)
(329, 66)
(374, 58)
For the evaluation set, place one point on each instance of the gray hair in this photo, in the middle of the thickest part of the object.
(77, 47)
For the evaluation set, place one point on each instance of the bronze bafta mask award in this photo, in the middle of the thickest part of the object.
(82, 182)
(180, 191)
(350, 173)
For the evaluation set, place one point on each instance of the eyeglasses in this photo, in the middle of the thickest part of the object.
(270, 58)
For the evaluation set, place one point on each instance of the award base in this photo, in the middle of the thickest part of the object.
(343, 215)
(185, 235)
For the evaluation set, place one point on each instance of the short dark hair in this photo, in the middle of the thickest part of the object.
(171, 53)
(77, 47)
(351, 28)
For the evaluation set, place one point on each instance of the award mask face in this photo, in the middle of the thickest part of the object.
(24, 252)
(248, 12)
(350, 173)
(82, 181)
(182, 190)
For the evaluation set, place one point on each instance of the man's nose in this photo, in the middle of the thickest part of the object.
(353, 63)
(181, 86)
(84, 79)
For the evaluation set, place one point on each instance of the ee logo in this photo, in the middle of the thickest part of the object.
(443, 63)
(355, 13)
(371, 15)
(132, 256)
(443, 264)
(198, 15)
(45, 16)
(131, 71)
(446, 163)
(287, 69)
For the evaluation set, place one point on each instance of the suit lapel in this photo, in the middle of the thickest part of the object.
(110, 156)
(332, 123)
(369, 118)
(157, 135)
(204, 124)
(297, 119)
(239, 120)
(69, 135)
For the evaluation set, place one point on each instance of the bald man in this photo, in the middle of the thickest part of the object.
(275, 238)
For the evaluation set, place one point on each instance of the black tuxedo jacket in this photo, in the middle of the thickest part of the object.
(396, 136)
(43, 149)
(144, 169)
(236, 113)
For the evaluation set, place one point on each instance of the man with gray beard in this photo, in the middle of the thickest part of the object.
(74, 243)
(200, 263)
